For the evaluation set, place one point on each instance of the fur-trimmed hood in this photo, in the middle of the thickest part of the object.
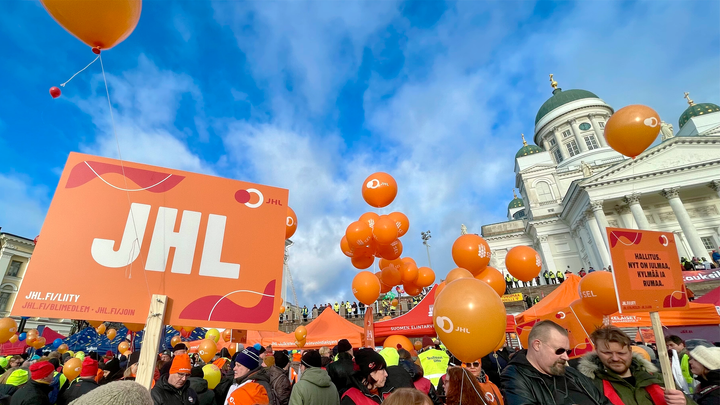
(591, 363)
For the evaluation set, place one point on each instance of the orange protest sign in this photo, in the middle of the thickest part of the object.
(118, 232)
(647, 272)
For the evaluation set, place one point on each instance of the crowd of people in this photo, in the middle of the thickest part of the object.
(615, 373)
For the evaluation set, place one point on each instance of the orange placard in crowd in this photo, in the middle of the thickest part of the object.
(647, 272)
(118, 232)
(369, 327)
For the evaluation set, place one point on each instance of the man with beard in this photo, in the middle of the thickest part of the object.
(624, 377)
(539, 375)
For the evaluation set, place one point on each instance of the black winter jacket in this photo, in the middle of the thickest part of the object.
(205, 395)
(341, 371)
(76, 390)
(522, 384)
(708, 392)
(32, 393)
(165, 394)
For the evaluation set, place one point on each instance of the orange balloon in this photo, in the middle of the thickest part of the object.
(494, 279)
(63, 348)
(282, 310)
(632, 129)
(232, 349)
(409, 273)
(397, 263)
(14, 338)
(95, 324)
(379, 189)
(101, 329)
(300, 343)
(365, 251)
(290, 223)
(39, 342)
(177, 328)
(456, 274)
(391, 251)
(523, 262)
(417, 345)
(384, 289)
(175, 340)
(366, 287)
(471, 252)
(469, 318)
(345, 247)
(597, 291)
(362, 262)
(370, 217)
(101, 24)
(386, 317)
(425, 278)
(134, 327)
(412, 290)
(390, 276)
(207, 350)
(401, 222)
(72, 368)
(33, 332)
(227, 335)
(30, 339)
(358, 234)
(394, 302)
(111, 333)
(639, 350)
(300, 333)
(123, 347)
(589, 319)
(127, 353)
(385, 231)
(395, 340)
(8, 327)
(439, 288)
(408, 261)
(500, 344)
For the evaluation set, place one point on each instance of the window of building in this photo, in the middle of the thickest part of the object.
(558, 155)
(543, 192)
(591, 142)
(552, 142)
(572, 148)
(584, 126)
(601, 124)
(14, 268)
(566, 133)
(708, 243)
(4, 299)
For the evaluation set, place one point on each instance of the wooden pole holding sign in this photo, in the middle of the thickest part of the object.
(662, 351)
(151, 340)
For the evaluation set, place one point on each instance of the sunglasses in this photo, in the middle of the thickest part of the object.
(475, 364)
(560, 351)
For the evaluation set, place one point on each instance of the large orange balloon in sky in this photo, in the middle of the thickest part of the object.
(370, 218)
(391, 251)
(401, 222)
(345, 247)
(366, 287)
(425, 278)
(358, 233)
(391, 276)
(412, 290)
(379, 189)
(362, 262)
(290, 223)
(385, 231)
(98, 23)
(469, 318)
(494, 279)
(632, 129)
(408, 272)
(523, 263)
(471, 252)
(597, 291)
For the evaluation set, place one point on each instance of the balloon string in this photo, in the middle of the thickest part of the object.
(73, 76)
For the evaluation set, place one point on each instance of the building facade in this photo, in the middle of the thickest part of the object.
(575, 185)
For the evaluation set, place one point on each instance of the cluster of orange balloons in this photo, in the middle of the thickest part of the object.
(632, 129)
(374, 235)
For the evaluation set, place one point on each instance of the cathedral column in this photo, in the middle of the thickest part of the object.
(558, 140)
(5, 257)
(597, 209)
(685, 222)
(599, 132)
(624, 212)
(548, 258)
(578, 138)
(600, 245)
(715, 185)
(633, 201)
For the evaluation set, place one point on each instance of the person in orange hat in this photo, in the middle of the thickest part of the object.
(174, 388)
(36, 391)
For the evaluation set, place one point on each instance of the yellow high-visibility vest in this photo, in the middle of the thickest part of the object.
(434, 363)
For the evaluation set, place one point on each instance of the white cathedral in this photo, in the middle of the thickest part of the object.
(574, 185)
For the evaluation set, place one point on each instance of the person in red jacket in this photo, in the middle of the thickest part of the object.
(369, 377)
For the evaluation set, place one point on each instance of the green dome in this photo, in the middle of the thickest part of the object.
(560, 98)
(528, 150)
(696, 110)
(516, 203)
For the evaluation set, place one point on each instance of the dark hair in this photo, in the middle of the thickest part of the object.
(674, 339)
(610, 334)
(404, 354)
(281, 359)
(407, 396)
(460, 378)
(541, 330)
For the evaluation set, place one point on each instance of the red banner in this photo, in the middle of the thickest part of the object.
(700, 275)
(369, 340)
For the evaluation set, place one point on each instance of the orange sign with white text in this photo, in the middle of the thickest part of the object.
(647, 272)
(118, 232)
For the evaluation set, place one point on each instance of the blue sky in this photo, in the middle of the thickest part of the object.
(315, 96)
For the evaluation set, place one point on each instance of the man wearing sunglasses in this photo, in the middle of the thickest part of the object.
(540, 375)
(622, 376)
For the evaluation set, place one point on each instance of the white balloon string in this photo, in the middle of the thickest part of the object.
(73, 76)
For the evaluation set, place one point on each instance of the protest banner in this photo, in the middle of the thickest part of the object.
(369, 340)
(696, 276)
(648, 278)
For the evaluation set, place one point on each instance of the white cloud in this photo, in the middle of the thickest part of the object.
(22, 205)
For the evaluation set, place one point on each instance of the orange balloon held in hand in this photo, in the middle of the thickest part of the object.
(290, 223)
(366, 287)
(425, 278)
(370, 218)
(362, 262)
(99, 24)
(494, 279)
(471, 252)
(391, 276)
(469, 318)
(632, 129)
(385, 231)
(401, 221)
(523, 263)
(456, 274)
(379, 189)
(597, 291)
(358, 234)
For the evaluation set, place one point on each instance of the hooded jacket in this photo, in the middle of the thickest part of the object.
(78, 389)
(645, 374)
(32, 393)
(165, 394)
(314, 388)
(340, 372)
(200, 386)
(522, 384)
(280, 384)
(708, 392)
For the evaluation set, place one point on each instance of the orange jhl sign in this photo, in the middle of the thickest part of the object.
(118, 232)
(647, 272)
